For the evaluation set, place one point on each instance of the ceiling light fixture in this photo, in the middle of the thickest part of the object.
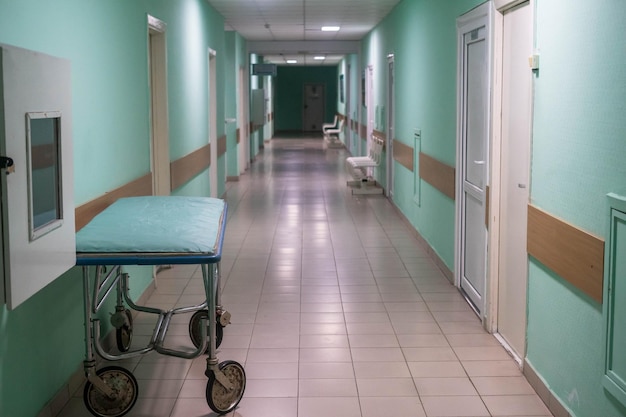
(292, 61)
(319, 58)
(330, 28)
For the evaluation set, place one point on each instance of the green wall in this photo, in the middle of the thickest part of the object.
(289, 88)
(42, 341)
(422, 36)
(579, 144)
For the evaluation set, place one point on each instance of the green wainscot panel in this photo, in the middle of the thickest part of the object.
(614, 380)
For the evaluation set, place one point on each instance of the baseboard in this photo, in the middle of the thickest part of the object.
(543, 391)
(77, 379)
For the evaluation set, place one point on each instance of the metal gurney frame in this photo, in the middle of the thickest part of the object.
(113, 390)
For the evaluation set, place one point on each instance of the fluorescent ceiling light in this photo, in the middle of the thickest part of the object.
(319, 58)
(292, 61)
(330, 28)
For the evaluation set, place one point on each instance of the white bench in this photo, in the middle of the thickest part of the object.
(361, 168)
(331, 132)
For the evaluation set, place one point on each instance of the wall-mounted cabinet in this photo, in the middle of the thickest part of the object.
(37, 223)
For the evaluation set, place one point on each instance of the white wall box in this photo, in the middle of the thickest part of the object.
(38, 230)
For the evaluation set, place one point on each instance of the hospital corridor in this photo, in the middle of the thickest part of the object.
(337, 310)
(312, 208)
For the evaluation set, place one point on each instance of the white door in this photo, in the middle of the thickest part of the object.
(213, 123)
(473, 162)
(348, 110)
(515, 166)
(313, 113)
(159, 140)
(369, 104)
(242, 123)
(391, 91)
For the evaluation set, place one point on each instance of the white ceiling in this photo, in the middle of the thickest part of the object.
(298, 22)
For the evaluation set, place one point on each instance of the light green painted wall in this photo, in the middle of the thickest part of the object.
(579, 109)
(42, 341)
(422, 36)
(578, 157)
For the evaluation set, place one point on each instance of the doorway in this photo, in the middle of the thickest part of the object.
(242, 123)
(213, 174)
(159, 136)
(313, 107)
(391, 91)
(472, 154)
(348, 109)
(368, 81)
(515, 108)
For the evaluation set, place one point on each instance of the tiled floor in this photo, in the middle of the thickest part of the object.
(337, 311)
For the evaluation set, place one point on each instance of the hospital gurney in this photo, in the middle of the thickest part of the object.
(153, 231)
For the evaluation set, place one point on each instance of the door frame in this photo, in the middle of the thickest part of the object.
(212, 118)
(390, 122)
(483, 12)
(348, 109)
(369, 105)
(496, 12)
(159, 130)
(494, 223)
(242, 121)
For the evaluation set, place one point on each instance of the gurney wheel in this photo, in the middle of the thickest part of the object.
(124, 334)
(218, 397)
(124, 386)
(195, 331)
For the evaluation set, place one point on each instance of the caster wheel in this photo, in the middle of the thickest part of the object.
(218, 397)
(124, 334)
(195, 332)
(125, 391)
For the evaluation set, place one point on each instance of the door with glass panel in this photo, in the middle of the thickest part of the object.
(473, 161)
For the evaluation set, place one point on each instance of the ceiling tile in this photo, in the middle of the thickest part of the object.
(298, 20)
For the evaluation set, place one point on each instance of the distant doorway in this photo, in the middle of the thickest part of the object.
(213, 174)
(242, 123)
(391, 91)
(313, 107)
(159, 136)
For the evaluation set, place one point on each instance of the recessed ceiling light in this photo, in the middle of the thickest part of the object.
(330, 28)
(319, 58)
(292, 61)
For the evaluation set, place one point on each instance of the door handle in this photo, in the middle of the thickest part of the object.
(520, 185)
(7, 163)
